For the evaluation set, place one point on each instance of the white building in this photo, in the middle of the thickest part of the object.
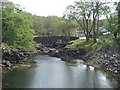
(104, 31)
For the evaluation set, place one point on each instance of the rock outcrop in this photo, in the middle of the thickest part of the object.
(109, 61)
(17, 56)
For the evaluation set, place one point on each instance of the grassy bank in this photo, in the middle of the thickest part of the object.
(103, 43)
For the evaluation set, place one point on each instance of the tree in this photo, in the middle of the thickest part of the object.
(97, 10)
(81, 12)
(87, 14)
(112, 18)
(38, 24)
(118, 10)
(16, 27)
(53, 26)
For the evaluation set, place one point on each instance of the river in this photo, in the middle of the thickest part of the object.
(51, 72)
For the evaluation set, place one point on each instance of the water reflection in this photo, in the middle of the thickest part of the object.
(54, 73)
(17, 78)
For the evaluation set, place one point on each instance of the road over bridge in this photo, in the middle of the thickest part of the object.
(51, 40)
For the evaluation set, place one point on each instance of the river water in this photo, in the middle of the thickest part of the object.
(51, 72)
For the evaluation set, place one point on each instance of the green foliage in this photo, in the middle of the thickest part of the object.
(87, 15)
(53, 26)
(113, 23)
(38, 24)
(104, 43)
(118, 10)
(80, 44)
(112, 15)
(5, 46)
(16, 27)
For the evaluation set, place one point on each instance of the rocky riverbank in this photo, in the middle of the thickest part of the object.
(14, 58)
(61, 52)
(107, 60)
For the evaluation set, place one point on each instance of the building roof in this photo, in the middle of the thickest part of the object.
(104, 30)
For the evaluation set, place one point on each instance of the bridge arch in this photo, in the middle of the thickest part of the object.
(51, 40)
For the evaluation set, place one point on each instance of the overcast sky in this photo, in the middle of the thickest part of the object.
(45, 7)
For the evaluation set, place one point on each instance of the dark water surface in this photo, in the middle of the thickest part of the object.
(51, 72)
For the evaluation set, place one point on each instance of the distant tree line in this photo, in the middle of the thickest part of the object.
(53, 26)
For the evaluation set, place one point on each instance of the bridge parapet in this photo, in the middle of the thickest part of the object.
(49, 41)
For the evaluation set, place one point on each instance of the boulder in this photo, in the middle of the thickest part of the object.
(6, 63)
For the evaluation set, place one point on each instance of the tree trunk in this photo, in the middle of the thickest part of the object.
(87, 38)
(115, 34)
(94, 32)
(119, 18)
(94, 22)
(87, 33)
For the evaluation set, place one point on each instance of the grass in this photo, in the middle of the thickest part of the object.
(104, 43)
(4, 45)
(80, 44)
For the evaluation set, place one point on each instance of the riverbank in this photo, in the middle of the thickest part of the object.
(66, 54)
(51, 72)
(105, 58)
(108, 61)
(16, 58)
(104, 54)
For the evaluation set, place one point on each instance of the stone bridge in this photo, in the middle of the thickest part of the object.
(51, 40)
